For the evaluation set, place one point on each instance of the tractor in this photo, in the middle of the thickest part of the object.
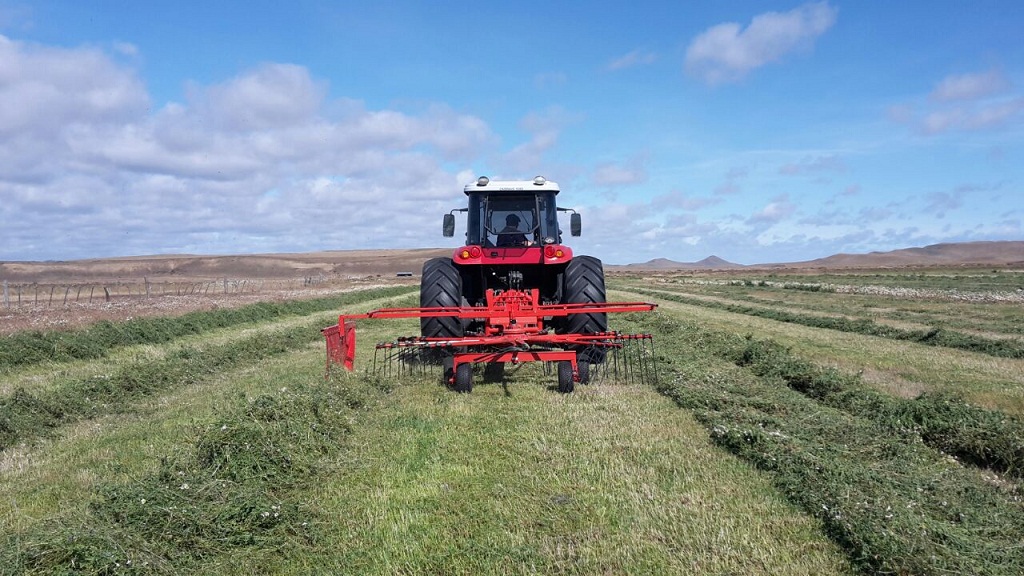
(512, 293)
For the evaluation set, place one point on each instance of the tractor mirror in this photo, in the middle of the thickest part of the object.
(448, 228)
(575, 224)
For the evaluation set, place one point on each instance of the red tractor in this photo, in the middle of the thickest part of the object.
(513, 293)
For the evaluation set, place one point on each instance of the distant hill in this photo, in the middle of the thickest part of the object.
(949, 254)
(1003, 253)
(709, 263)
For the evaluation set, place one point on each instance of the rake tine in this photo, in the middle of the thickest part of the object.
(654, 361)
(630, 367)
(615, 363)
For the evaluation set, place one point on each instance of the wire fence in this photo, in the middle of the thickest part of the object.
(51, 295)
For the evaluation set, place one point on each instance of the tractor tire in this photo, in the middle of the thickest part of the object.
(440, 285)
(583, 283)
(464, 378)
(565, 383)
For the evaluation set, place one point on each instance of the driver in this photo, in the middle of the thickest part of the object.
(510, 234)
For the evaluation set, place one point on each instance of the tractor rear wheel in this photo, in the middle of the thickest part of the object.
(583, 283)
(464, 378)
(440, 286)
(565, 383)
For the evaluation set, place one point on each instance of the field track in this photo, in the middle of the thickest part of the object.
(760, 451)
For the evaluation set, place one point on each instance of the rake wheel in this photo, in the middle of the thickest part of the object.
(565, 383)
(464, 378)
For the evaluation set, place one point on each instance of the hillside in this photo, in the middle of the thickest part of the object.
(950, 254)
(362, 263)
(709, 263)
(338, 263)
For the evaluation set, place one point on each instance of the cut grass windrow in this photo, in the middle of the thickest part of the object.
(980, 437)
(934, 337)
(35, 347)
(896, 504)
(238, 486)
(26, 414)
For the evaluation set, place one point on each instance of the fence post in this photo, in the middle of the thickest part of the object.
(7, 303)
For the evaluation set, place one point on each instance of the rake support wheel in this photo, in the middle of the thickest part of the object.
(565, 383)
(464, 378)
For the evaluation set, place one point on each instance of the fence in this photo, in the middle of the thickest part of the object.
(61, 294)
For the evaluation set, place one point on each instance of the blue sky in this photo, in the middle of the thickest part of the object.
(755, 131)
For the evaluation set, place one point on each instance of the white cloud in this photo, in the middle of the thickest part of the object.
(611, 174)
(814, 165)
(632, 60)
(727, 53)
(44, 89)
(544, 128)
(777, 210)
(960, 103)
(271, 96)
(971, 116)
(970, 86)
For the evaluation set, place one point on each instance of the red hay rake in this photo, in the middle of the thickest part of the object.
(513, 332)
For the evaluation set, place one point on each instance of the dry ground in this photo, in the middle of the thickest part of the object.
(188, 283)
(183, 283)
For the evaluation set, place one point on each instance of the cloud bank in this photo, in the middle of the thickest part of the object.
(261, 160)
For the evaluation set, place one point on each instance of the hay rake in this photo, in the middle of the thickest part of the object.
(512, 331)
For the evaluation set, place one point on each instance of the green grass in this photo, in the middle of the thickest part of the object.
(932, 337)
(767, 448)
(514, 479)
(520, 479)
(895, 367)
(886, 495)
(235, 483)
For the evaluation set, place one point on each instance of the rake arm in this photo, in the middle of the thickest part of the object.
(513, 331)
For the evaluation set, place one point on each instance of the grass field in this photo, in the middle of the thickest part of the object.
(863, 423)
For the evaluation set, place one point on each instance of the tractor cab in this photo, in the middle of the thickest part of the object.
(505, 214)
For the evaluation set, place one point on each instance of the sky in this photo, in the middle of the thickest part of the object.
(755, 131)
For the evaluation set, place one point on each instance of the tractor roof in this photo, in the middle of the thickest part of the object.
(538, 184)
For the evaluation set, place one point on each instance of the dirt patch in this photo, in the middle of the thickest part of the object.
(77, 314)
(63, 295)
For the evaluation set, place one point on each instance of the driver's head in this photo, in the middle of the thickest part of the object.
(512, 220)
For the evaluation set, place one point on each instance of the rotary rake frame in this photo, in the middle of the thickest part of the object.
(513, 332)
